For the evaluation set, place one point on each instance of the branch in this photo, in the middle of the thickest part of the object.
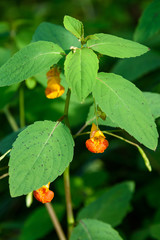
(21, 106)
(83, 127)
(3, 156)
(55, 221)
(4, 175)
(144, 156)
(10, 119)
(70, 217)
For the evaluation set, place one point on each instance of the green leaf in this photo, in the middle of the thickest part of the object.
(6, 93)
(89, 229)
(149, 23)
(41, 78)
(126, 106)
(28, 61)
(153, 100)
(74, 26)
(39, 155)
(38, 224)
(115, 46)
(81, 69)
(112, 206)
(106, 122)
(155, 231)
(134, 68)
(56, 34)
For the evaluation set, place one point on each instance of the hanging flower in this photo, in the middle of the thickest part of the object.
(97, 142)
(43, 194)
(54, 88)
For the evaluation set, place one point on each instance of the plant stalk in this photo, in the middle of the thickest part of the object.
(21, 107)
(144, 156)
(95, 109)
(15, 127)
(83, 127)
(70, 217)
(55, 221)
(10, 119)
(3, 156)
(4, 175)
(66, 108)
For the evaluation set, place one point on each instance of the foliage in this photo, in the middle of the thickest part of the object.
(94, 229)
(45, 144)
(28, 61)
(114, 202)
(80, 70)
(98, 88)
(149, 23)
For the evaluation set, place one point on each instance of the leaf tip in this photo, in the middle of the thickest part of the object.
(12, 193)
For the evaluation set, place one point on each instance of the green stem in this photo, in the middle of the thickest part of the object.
(49, 207)
(70, 217)
(55, 221)
(95, 109)
(144, 156)
(83, 127)
(21, 107)
(3, 156)
(4, 175)
(15, 127)
(10, 119)
(80, 133)
(66, 108)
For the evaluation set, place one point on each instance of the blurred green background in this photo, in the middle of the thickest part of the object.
(91, 175)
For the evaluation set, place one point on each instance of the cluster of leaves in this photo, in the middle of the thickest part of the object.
(46, 148)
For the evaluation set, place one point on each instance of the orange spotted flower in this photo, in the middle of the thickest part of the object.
(97, 142)
(54, 88)
(43, 194)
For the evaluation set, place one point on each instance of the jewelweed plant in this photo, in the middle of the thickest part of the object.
(44, 150)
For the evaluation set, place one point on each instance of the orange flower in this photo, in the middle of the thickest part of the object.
(43, 194)
(97, 142)
(54, 88)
